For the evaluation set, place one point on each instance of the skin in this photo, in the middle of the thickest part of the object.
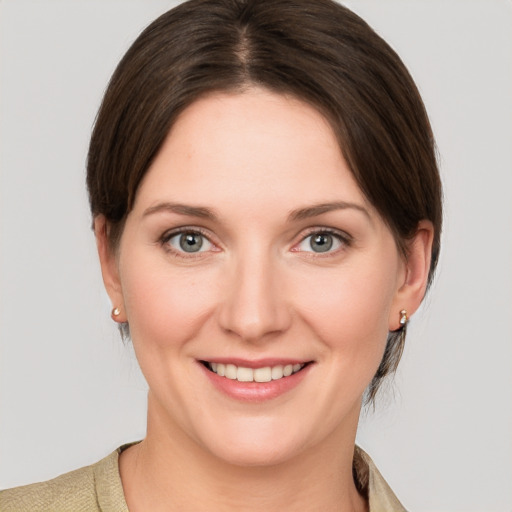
(257, 289)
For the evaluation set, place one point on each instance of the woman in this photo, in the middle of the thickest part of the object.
(267, 210)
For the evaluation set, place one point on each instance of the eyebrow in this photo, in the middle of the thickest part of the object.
(319, 209)
(181, 209)
(294, 215)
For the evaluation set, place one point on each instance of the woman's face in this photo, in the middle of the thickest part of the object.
(251, 251)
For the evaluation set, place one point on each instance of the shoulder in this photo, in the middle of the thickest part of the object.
(371, 483)
(89, 489)
(75, 489)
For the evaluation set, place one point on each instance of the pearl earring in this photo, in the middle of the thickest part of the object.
(403, 317)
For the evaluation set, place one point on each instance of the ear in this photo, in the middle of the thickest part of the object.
(415, 278)
(109, 269)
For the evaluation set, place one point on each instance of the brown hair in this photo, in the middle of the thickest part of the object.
(317, 51)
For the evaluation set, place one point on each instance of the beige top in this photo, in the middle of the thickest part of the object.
(98, 488)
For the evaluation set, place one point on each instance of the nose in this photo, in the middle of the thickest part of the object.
(254, 306)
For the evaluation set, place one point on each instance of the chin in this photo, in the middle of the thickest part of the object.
(254, 455)
(255, 445)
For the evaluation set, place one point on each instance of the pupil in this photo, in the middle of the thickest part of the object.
(321, 243)
(191, 242)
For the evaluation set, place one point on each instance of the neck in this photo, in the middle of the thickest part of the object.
(170, 471)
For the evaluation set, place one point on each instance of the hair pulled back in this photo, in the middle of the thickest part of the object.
(319, 52)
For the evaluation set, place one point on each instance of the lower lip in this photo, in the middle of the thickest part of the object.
(255, 391)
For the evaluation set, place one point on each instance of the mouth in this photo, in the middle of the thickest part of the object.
(255, 381)
(261, 374)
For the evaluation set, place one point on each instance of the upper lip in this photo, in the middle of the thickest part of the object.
(255, 363)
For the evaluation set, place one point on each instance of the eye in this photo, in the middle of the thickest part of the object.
(189, 242)
(321, 242)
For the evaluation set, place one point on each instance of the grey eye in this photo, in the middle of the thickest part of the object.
(190, 242)
(320, 242)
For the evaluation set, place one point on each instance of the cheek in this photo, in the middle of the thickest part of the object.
(165, 304)
(349, 307)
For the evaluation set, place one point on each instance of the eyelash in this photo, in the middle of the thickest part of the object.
(168, 235)
(343, 238)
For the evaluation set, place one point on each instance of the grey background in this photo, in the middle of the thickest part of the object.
(70, 392)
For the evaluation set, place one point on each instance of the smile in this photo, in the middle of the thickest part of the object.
(244, 374)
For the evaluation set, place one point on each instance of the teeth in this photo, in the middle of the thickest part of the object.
(231, 371)
(244, 374)
(265, 374)
(277, 372)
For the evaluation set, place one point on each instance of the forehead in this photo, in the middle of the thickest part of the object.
(252, 144)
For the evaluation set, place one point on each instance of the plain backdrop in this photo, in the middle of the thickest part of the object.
(71, 392)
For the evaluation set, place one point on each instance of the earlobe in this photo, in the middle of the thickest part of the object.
(109, 269)
(413, 288)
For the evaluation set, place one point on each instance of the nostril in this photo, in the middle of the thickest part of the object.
(253, 308)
